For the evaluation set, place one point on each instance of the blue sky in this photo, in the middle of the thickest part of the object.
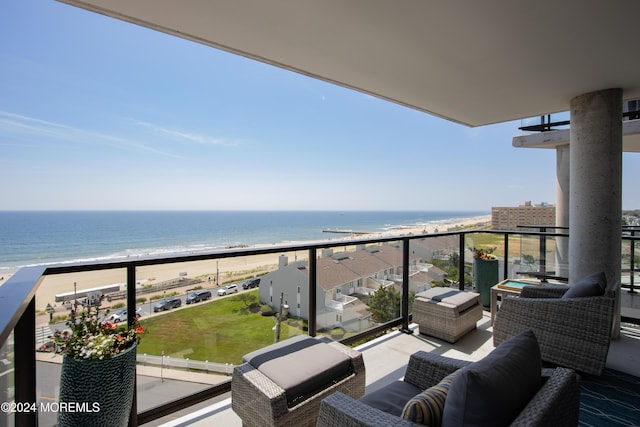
(99, 114)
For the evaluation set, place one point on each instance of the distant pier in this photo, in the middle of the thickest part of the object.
(338, 231)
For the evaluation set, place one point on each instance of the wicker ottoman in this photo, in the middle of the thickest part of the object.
(283, 384)
(446, 313)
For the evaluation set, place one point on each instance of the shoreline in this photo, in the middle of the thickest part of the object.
(248, 266)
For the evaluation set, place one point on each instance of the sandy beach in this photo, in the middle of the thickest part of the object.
(226, 270)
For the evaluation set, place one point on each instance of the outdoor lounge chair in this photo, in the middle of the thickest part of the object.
(573, 326)
(483, 395)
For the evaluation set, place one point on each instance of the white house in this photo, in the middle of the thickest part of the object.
(340, 278)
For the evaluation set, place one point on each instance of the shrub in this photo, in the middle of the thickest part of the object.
(141, 300)
(337, 333)
(118, 305)
(58, 319)
(266, 310)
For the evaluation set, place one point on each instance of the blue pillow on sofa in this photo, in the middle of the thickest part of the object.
(494, 390)
(592, 285)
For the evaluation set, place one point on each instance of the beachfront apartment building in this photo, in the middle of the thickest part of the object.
(341, 277)
(509, 218)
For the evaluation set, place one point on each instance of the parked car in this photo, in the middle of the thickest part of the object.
(47, 347)
(198, 296)
(121, 315)
(229, 289)
(167, 304)
(251, 283)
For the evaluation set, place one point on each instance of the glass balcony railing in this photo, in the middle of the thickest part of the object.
(203, 312)
(561, 120)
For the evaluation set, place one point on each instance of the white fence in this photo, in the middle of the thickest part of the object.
(177, 363)
(340, 301)
(365, 291)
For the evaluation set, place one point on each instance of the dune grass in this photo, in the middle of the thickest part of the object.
(219, 331)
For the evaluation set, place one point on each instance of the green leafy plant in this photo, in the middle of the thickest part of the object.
(87, 337)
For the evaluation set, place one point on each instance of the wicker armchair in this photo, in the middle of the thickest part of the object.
(572, 332)
(556, 403)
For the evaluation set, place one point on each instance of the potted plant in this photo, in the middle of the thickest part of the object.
(98, 370)
(485, 272)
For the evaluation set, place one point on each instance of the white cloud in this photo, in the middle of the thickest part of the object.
(11, 122)
(191, 137)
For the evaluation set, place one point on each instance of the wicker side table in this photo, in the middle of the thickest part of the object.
(446, 313)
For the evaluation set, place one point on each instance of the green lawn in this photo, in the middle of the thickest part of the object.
(219, 331)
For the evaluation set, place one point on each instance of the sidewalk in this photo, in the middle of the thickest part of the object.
(153, 371)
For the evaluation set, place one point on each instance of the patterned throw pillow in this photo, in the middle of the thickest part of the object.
(426, 408)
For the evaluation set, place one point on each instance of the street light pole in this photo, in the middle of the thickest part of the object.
(276, 338)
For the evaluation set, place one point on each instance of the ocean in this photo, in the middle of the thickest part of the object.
(40, 238)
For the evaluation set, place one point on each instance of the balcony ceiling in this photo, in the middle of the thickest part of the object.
(472, 62)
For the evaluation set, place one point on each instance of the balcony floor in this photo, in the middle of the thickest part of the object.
(386, 358)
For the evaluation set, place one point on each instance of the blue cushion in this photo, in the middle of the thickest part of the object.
(391, 398)
(494, 390)
(592, 285)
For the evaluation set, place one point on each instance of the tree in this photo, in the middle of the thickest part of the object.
(248, 298)
(528, 259)
(454, 259)
(385, 304)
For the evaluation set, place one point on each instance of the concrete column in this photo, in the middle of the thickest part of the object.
(595, 213)
(562, 209)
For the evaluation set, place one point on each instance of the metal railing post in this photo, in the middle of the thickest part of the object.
(632, 262)
(313, 284)
(506, 257)
(25, 365)
(461, 262)
(131, 314)
(543, 252)
(131, 294)
(404, 310)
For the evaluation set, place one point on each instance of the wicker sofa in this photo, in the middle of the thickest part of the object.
(573, 329)
(556, 401)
